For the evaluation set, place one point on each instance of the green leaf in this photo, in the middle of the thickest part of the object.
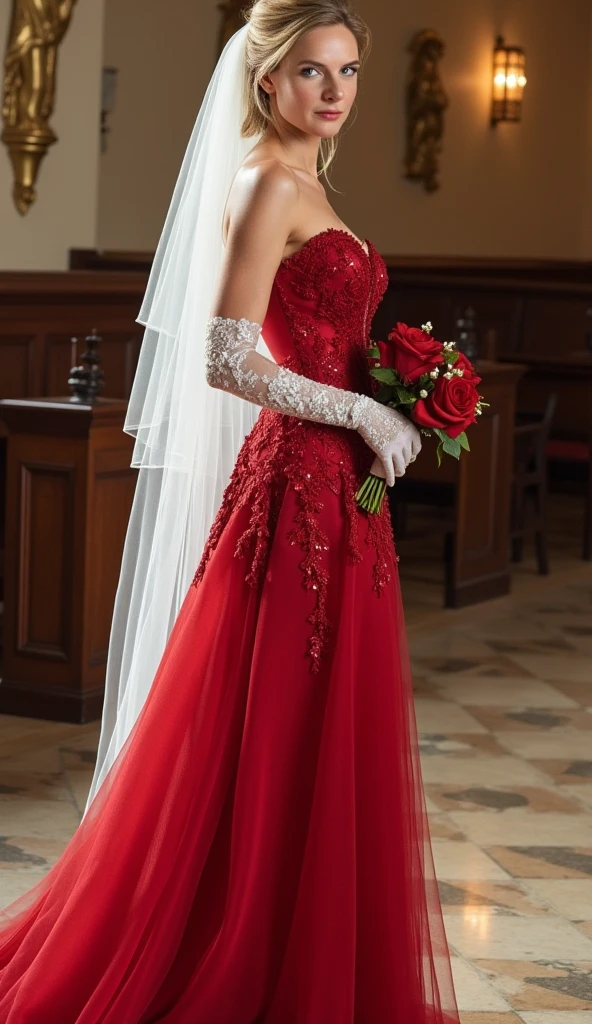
(440, 433)
(384, 395)
(452, 446)
(450, 355)
(385, 374)
(439, 453)
(405, 396)
(374, 352)
(462, 439)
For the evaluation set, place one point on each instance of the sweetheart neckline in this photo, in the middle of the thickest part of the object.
(339, 231)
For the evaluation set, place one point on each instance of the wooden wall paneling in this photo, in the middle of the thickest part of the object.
(39, 314)
(555, 324)
(16, 363)
(415, 303)
(119, 355)
(529, 316)
(568, 271)
(413, 306)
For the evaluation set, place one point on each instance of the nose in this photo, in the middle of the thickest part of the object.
(333, 89)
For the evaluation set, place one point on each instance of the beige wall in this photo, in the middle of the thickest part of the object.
(522, 190)
(517, 190)
(65, 213)
(587, 217)
(165, 54)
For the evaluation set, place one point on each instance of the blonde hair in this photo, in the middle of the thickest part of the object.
(274, 27)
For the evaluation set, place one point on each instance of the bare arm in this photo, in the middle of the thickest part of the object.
(264, 205)
(264, 211)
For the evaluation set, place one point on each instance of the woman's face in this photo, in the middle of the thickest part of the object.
(319, 74)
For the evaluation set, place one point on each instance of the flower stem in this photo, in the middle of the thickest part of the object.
(371, 493)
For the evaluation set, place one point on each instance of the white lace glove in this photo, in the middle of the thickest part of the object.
(232, 364)
(394, 438)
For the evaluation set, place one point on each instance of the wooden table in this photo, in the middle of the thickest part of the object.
(477, 561)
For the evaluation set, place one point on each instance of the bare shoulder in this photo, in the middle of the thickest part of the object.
(264, 190)
(266, 171)
(260, 217)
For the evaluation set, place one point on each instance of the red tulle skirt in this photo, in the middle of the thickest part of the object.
(259, 852)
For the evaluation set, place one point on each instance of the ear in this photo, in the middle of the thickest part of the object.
(266, 84)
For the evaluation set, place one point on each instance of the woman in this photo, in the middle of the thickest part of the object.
(258, 852)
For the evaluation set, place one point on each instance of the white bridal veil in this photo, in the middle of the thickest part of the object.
(187, 433)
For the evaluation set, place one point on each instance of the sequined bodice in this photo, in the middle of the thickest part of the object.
(322, 302)
(321, 306)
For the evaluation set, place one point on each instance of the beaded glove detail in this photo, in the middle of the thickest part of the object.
(392, 436)
(233, 364)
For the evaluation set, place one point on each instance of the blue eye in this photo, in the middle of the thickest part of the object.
(348, 67)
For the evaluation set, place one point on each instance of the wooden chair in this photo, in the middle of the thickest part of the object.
(579, 453)
(529, 480)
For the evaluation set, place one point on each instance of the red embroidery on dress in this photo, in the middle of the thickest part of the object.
(379, 534)
(328, 291)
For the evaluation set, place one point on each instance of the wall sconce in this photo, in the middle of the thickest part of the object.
(108, 93)
(508, 82)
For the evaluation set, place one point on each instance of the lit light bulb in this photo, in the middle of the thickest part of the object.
(509, 80)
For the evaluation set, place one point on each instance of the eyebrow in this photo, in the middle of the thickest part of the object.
(317, 63)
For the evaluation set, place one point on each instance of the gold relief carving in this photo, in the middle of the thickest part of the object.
(36, 30)
(426, 102)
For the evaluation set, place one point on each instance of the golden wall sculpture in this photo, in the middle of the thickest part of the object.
(36, 30)
(426, 102)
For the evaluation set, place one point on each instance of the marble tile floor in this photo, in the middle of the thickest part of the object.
(504, 710)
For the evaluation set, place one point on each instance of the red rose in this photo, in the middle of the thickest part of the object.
(450, 406)
(462, 363)
(410, 351)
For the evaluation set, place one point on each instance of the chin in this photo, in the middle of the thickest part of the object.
(325, 129)
(330, 131)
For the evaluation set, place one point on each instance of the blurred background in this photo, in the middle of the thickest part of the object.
(511, 192)
(469, 165)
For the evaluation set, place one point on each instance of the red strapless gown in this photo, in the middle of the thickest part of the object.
(259, 852)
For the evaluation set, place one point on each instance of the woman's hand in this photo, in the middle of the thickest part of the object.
(394, 438)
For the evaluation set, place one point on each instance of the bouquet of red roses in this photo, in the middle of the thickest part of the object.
(432, 383)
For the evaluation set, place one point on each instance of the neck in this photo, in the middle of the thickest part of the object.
(296, 149)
